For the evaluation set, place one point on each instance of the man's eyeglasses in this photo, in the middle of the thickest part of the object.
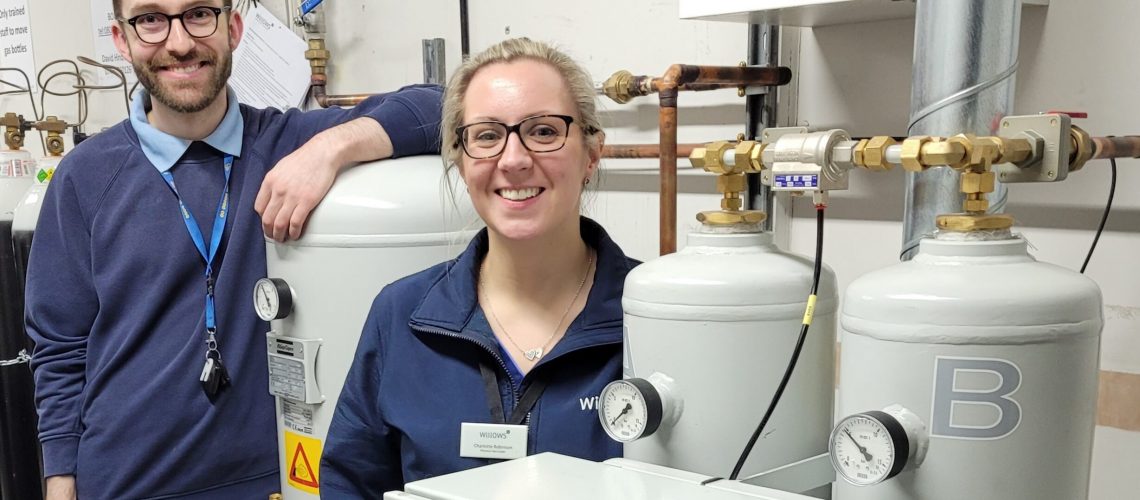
(539, 134)
(154, 27)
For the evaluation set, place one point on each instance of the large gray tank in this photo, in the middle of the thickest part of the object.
(380, 222)
(995, 358)
(715, 324)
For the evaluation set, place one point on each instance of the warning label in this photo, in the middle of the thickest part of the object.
(303, 457)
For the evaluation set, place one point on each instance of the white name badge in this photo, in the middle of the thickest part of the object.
(501, 441)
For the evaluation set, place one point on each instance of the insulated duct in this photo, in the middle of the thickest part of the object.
(965, 59)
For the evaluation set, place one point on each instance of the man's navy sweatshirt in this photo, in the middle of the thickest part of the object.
(116, 302)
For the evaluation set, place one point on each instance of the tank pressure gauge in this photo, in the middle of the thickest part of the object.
(871, 447)
(272, 298)
(630, 409)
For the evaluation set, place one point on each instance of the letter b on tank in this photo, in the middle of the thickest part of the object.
(972, 398)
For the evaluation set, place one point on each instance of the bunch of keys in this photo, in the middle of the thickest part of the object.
(214, 376)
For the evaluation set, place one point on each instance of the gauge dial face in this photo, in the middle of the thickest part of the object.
(266, 299)
(864, 451)
(624, 411)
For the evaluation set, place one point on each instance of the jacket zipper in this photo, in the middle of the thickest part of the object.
(502, 364)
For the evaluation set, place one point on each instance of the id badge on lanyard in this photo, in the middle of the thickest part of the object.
(214, 376)
(504, 438)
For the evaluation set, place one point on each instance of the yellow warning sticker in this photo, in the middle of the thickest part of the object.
(303, 457)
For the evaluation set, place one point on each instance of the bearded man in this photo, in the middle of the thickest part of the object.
(150, 366)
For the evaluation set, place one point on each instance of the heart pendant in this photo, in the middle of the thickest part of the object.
(533, 354)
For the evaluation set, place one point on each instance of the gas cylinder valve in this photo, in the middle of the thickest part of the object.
(14, 128)
(730, 162)
(55, 129)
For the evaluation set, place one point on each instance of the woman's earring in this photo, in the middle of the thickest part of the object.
(585, 181)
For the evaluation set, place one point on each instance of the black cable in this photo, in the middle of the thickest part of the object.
(1103, 218)
(795, 352)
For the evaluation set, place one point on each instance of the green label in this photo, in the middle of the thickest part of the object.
(45, 174)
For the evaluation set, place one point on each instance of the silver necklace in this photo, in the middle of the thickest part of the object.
(537, 352)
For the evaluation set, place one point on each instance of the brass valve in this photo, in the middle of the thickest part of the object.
(730, 180)
(618, 85)
(318, 56)
(13, 130)
(55, 129)
(975, 156)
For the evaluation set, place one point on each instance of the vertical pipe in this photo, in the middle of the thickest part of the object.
(965, 58)
(435, 61)
(464, 30)
(667, 123)
(763, 50)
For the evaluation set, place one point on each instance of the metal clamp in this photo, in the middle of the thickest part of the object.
(20, 359)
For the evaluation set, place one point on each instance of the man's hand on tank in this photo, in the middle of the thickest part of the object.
(298, 183)
(293, 188)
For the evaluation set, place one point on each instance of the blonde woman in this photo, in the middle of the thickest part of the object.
(517, 336)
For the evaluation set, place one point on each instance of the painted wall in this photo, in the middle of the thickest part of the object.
(1073, 57)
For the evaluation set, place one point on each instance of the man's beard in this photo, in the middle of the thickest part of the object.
(187, 99)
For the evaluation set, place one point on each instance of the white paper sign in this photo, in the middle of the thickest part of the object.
(102, 16)
(16, 41)
(270, 69)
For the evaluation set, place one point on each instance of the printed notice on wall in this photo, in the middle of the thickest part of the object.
(270, 69)
(16, 42)
(102, 17)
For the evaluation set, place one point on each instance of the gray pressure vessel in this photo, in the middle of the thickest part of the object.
(990, 357)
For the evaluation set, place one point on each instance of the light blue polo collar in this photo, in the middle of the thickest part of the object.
(164, 150)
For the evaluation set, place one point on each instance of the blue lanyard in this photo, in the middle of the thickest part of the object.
(207, 254)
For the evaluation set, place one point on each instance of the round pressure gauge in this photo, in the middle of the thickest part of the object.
(869, 448)
(630, 409)
(272, 298)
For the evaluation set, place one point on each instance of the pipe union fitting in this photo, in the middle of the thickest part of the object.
(742, 153)
(912, 153)
(713, 159)
(986, 150)
(940, 152)
(974, 182)
(731, 204)
(875, 153)
(731, 183)
(857, 155)
(966, 141)
(755, 157)
(975, 205)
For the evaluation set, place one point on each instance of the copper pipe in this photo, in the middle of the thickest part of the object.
(667, 87)
(643, 150)
(667, 123)
(701, 87)
(681, 74)
(623, 85)
(676, 76)
(324, 100)
(1117, 147)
